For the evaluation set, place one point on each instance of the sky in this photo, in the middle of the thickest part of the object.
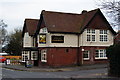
(14, 12)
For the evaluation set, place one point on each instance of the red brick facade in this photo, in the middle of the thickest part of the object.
(92, 59)
(69, 56)
(60, 57)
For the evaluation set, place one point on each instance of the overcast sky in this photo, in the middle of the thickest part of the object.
(14, 12)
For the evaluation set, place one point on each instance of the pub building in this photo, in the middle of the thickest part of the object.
(65, 39)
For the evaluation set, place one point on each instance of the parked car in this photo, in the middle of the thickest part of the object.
(2, 59)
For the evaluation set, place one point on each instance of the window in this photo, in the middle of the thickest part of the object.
(44, 30)
(42, 39)
(90, 35)
(44, 55)
(88, 30)
(86, 55)
(57, 39)
(34, 55)
(103, 36)
(100, 54)
(105, 31)
(101, 31)
(93, 37)
(88, 38)
(25, 56)
(93, 31)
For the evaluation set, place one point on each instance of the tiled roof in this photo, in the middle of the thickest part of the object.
(67, 22)
(61, 22)
(31, 26)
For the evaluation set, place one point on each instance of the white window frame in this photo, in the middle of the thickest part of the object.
(101, 51)
(91, 37)
(43, 30)
(88, 53)
(24, 55)
(44, 55)
(103, 36)
(88, 38)
(34, 55)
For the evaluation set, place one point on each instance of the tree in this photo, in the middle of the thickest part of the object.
(14, 46)
(3, 33)
(112, 8)
(114, 60)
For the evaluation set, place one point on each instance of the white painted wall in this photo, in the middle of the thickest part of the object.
(27, 40)
(71, 40)
(84, 42)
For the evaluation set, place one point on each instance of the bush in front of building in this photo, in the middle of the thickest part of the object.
(113, 54)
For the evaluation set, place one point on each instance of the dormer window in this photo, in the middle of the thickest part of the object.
(43, 30)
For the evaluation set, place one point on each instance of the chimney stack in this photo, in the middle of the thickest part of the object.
(84, 11)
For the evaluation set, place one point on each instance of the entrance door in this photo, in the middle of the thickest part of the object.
(34, 57)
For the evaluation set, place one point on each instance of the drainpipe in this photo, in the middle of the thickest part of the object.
(82, 49)
(78, 51)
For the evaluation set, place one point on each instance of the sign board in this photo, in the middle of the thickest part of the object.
(57, 39)
(42, 39)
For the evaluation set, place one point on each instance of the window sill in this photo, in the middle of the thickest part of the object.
(101, 58)
(85, 59)
(44, 61)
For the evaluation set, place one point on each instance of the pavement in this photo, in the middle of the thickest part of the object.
(49, 69)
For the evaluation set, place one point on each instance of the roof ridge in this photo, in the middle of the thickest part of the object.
(31, 19)
(60, 12)
(69, 13)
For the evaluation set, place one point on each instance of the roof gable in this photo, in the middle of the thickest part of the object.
(30, 26)
(100, 22)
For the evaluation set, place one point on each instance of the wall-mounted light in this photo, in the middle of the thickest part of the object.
(83, 49)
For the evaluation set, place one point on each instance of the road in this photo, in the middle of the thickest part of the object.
(14, 75)
(95, 73)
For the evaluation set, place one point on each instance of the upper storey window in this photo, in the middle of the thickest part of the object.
(103, 35)
(103, 31)
(90, 35)
(92, 31)
(43, 30)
